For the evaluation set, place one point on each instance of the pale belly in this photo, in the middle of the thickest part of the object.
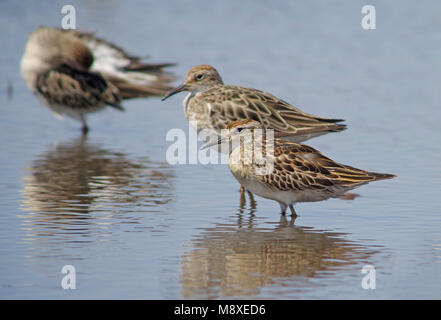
(251, 183)
(287, 197)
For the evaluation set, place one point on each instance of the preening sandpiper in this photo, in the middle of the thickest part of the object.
(75, 73)
(299, 173)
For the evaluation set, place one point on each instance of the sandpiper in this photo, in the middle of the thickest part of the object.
(75, 73)
(298, 173)
(212, 105)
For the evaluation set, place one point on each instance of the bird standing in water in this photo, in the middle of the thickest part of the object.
(213, 105)
(75, 73)
(291, 172)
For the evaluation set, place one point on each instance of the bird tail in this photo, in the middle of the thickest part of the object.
(129, 90)
(333, 124)
(150, 67)
(382, 176)
(337, 127)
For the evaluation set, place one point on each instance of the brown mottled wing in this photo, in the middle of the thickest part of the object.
(300, 167)
(77, 89)
(243, 103)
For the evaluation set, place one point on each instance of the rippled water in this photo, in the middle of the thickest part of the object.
(134, 226)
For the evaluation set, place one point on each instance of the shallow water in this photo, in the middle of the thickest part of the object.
(134, 226)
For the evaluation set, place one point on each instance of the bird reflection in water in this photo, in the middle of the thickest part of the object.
(243, 202)
(240, 257)
(80, 183)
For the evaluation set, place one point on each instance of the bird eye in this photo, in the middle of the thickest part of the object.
(200, 76)
(239, 129)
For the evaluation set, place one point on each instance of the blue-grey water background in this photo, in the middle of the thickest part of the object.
(134, 226)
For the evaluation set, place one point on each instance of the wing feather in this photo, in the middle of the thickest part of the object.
(300, 167)
(77, 89)
(265, 108)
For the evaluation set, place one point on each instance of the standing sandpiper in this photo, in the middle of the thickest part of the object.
(212, 105)
(297, 173)
(75, 73)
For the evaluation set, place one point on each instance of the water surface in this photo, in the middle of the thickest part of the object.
(134, 226)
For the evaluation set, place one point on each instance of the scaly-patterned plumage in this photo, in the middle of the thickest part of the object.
(213, 105)
(291, 172)
(76, 73)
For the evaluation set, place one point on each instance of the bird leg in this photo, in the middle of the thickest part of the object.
(282, 208)
(252, 201)
(293, 211)
(242, 191)
(250, 195)
(85, 128)
(243, 200)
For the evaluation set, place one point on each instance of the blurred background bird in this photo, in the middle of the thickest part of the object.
(75, 73)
